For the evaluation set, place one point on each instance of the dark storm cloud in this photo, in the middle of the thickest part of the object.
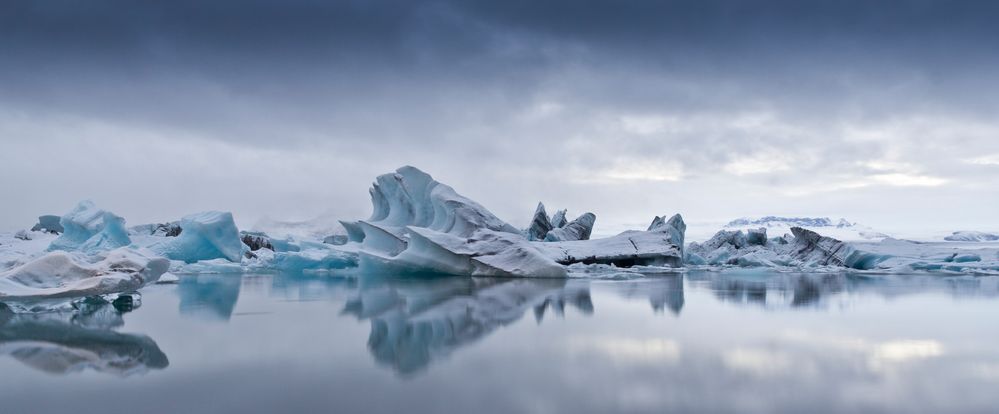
(631, 53)
(526, 93)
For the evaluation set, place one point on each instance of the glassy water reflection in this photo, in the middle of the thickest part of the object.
(693, 342)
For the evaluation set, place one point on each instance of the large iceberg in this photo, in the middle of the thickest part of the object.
(558, 219)
(421, 225)
(62, 275)
(801, 248)
(203, 236)
(90, 230)
(804, 248)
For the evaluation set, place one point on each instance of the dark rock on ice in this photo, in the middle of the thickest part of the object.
(48, 224)
(256, 241)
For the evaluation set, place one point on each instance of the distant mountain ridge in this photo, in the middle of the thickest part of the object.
(769, 221)
(841, 229)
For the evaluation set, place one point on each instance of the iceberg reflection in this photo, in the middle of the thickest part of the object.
(63, 343)
(209, 296)
(414, 323)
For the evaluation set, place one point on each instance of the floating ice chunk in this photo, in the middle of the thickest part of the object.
(59, 275)
(805, 248)
(205, 236)
(483, 253)
(90, 230)
(675, 227)
(631, 248)
(578, 229)
(558, 219)
(540, 224)
(420, 225)
(967, 258)
(813, 248)
(694, 259)
(661, 246)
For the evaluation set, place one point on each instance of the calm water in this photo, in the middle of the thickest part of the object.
(697, 342)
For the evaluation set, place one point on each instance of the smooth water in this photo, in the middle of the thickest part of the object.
(694, 342)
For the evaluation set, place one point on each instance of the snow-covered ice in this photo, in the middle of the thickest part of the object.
(63, 275)
(421, 225)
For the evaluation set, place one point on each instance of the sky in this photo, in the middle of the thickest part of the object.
(880, 112)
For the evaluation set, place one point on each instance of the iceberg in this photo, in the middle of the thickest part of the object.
(904, 256)
(803, 248)
(61, 275)
(90, 230)
(558, 219)
(578, 229)
(660, 246)
(421, 225)
(540, 224)
(204, 236)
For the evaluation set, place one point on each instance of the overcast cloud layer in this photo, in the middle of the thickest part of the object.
(880, 112)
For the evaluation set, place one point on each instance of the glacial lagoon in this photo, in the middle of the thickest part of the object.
(729, 341)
